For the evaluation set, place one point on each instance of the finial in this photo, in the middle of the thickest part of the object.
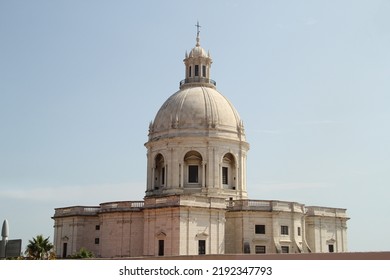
(5, 229)
(197, 33)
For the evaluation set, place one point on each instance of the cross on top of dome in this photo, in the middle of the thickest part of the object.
(197, 33)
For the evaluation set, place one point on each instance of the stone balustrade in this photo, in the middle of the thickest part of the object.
(265, 205)
(94, 210)
(76, 210)
(184, 200)
(121, 206)
(326, 212)
(232, 205)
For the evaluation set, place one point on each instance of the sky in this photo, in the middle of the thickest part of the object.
(81, 80)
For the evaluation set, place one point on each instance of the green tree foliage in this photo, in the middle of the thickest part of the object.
(39, 248)
(82, 254)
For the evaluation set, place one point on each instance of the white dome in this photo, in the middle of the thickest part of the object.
(197, 111)
(198, 51)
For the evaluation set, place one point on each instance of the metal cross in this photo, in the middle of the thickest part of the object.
(198, 28)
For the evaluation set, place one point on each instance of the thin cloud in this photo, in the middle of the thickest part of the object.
(268, 131)
(311, 21)
(76, 194)
(318, 122)
(284, 186)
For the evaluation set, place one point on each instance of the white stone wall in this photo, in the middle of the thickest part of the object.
(181, 221)
(241, 223)
(121, 234)
(202, 224)
(77, 232)
(326, 227)
(161, 224)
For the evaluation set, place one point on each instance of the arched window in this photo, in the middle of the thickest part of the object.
(159, 172)
(196, 70)
(193, 169)
(228, 172)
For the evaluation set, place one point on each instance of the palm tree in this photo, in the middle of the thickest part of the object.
(39, 248)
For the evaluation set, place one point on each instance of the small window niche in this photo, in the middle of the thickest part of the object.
(260, 229)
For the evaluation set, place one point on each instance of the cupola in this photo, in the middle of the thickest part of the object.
(198, 64)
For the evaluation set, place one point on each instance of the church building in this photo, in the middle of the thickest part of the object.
(196, 199)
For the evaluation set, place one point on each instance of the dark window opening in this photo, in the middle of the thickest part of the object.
(260, 229)
(161, 247)
(64, 250)
(204, 70)
(260, 249)
(192, 174)
(97, 240)
(196, 70)
(299, 231)
(97, 227)
(163, 176)
(331, 248)
(284, 230)
(285, 249)
(247, 248)
(224, 175)
(189, 72)
(202, 247)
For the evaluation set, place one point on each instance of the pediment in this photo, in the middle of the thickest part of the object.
(161, 234)
(331, 241)
(202, 235)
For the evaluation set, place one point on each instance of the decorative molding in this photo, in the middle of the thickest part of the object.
(161, 235)
(202, 235)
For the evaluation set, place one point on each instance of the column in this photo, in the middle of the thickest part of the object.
(166, 175)
(203, 174)
(236, 184)
(153, 179)
(181, 175)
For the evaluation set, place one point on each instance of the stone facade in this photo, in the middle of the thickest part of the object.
(196, 199)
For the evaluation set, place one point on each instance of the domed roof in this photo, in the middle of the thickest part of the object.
(198, 51)
(197, 111)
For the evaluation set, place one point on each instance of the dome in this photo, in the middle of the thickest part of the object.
(197, 111)
(198, 51)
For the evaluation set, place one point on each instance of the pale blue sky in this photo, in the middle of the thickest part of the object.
(81, 80)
